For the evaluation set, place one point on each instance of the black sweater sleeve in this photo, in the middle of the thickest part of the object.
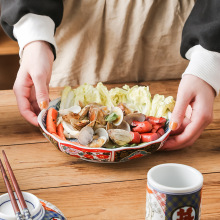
(202, 27)
(13, 10)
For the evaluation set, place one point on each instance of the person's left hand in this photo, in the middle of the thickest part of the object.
(186, 128)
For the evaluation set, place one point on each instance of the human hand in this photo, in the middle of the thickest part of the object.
(32, 82)
(195, 93)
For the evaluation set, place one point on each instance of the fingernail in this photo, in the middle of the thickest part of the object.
(43, 105)
(173, 125)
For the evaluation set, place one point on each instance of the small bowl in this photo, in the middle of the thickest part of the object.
(101, 155)
(36, 209)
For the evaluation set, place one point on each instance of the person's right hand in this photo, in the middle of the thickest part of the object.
(32, 83)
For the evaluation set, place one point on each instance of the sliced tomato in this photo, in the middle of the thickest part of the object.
(141, 127)
(154, 120)
(136, 138)
(148, 137)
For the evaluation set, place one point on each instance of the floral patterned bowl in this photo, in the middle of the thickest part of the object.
(109, 155)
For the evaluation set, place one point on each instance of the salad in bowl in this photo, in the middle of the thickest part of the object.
(97, 124)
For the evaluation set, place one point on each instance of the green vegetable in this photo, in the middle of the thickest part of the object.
(64, 96)
(118, 95)
(111, 117)
(161, 106)
(104, 95)
(70, 99)
(139, 99)
(156, 103)
(86, 94)
(166, 106)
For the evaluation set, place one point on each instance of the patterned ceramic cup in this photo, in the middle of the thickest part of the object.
(173, 192)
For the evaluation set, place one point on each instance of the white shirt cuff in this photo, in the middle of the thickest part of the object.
(204, 64)
(32, 27)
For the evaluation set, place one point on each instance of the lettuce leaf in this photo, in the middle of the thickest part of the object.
(104, 95)
(139, 99)
(161, 106)
(86, 94)
(166, 106)
(118, 95)
(64, 96)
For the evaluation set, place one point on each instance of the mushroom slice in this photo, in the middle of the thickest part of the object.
(86, 135)
(134, 117)
(69, 130)
(119, 136)
(74, 109)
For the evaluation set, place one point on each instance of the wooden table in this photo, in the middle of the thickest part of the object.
(84, 190)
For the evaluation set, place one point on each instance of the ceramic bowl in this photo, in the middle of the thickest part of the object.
(36, 209)
(108, 155)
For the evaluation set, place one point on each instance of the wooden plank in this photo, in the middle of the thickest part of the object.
(15, 129)
(42, 165)
(120, 200)
(13, 125)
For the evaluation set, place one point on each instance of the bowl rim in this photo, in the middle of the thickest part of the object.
(76, 144)
(27, 196)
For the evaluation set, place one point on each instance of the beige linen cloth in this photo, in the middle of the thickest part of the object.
(119, 41)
